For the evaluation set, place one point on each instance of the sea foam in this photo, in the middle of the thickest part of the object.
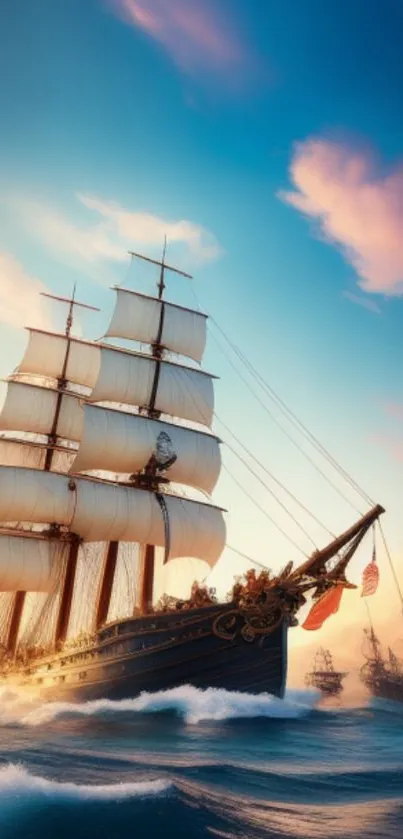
(17, 781)
(191, 704)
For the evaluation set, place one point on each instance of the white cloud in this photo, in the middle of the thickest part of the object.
(20, 300)
(111, 233)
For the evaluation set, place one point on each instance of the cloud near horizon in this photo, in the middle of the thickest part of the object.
(357, 209)
(113, 232)
(192, 32)
(20, 301)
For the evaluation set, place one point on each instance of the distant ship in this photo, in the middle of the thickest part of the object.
(323, 676)
(382, 676)
(100, 446)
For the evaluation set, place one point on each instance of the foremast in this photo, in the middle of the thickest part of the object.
(51, 447)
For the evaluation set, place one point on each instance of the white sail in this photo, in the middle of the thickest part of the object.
(33, 455)
(27, 564)
(97, 511)
(119, 513)
(29, 495)
(113, 441)
(32, 408)
(128, 378)
(21, 453)
(45, 355)
(137, 318)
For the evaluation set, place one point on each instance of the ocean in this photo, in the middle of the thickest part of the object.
(192, 764)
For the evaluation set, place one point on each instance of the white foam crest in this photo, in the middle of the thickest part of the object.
(17, 781)
(190, 703)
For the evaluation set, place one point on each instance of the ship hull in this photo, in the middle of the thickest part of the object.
(389, 689)
(205, 647)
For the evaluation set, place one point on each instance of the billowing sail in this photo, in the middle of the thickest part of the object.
(29, 495)
(14, 452)
(128, 378)
(21, 453)
(120, 513)
(29, 564)
(45, 356)
(32, 408)
(137, 317)
(114, 441)
(97, 511)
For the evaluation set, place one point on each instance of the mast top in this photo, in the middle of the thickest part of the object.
(161, 263)
(71, 302)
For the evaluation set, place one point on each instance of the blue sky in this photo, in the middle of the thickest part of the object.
(193, 112)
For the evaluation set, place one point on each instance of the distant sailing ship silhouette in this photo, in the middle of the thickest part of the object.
(323, 675)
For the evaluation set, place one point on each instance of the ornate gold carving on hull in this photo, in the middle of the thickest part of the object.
(249, 624)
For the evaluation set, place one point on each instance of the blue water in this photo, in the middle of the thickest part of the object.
(190, 764)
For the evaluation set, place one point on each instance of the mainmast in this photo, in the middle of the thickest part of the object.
(150, 479)
(68, 584)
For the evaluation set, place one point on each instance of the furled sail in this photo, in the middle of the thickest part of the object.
(45, 356)
(137, 317)
(29, 564)
(97, 511)
(32, 408)
(114, 441)
(126, 377)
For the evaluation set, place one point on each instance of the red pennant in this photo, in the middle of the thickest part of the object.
(370, 578)
(327, 605)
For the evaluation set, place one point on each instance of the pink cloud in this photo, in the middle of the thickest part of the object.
(192, 32)
(392, 445)
(395, 410)
(358, 209)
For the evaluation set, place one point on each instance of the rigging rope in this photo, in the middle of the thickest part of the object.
(285, 432)
(265, 513)
(293, 418)
(392, 568)
(249, 558)
(276, 480)
(252, 472)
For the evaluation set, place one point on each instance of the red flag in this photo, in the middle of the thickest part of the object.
(327, 605)
(370, 578)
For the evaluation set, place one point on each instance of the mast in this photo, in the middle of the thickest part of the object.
(62, 381)
(147, 571)
(66, 597)
(106, 584)
(20, 596)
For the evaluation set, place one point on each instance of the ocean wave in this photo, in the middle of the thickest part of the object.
(17, 781)
(191, 704)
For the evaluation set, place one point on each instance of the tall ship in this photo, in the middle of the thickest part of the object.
(100, 446)
(323, 676)
(382, 675)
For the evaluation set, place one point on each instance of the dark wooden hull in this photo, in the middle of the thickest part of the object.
(330, 684)
(385, 688)
(205, 647)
